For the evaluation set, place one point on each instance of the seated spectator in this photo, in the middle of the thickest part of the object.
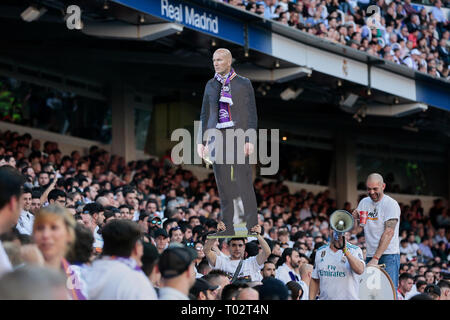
(116, 275)
(176, 265)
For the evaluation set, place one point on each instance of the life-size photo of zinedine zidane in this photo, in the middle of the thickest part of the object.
(229, 103)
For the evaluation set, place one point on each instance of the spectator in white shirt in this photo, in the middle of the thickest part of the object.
(251, 266)
(178, 275)
(96, 213)
(287, 264)
(26, 219)
(405, 284)
(437, 12)
(269, 270)
(10, 190)
(117, 275)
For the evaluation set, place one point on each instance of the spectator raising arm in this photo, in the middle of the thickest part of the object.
(49, 188)
(264, 254)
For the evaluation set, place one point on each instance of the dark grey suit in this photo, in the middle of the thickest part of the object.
(243, 113)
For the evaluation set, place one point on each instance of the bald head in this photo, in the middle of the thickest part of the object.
(375, 186)
(306, 270)
(375, 177)
(222, 61)
(248, 294)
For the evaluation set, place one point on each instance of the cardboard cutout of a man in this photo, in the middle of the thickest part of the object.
(229, 104)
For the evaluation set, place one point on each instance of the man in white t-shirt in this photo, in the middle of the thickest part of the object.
(286, 272)
(11, 182)
(381, 229)
(250, 269)
(336, 271)
(117, 275)
(26, 219)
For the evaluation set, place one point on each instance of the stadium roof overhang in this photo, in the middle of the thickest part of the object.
(283, 47)
(161, 56)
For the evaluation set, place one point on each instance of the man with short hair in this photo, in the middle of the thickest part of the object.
(96, 212)
(444, 285)
(116, 275)
(57, 196)
(131, 200)
(143, 221)
(406, 282)
(176, 235)
(269, 270)
(217, 278)
(177, 268)
(126, 212)
(162, 239)
(11, 182)
(286, 272)
(26, 219)
(250, 267)
(43, 179)
(35, 202)
(381, 228)
(429, 277)
(203, 290)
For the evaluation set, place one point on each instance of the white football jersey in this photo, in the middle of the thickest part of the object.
(337, 280)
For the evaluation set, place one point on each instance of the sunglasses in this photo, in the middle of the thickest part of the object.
(156, 222)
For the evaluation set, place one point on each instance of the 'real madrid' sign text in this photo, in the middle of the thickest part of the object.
(187, 15)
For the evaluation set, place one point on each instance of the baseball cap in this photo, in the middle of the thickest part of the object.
(160, 232)
(175, 260)
(201, 285)
(433, 289)
(416, 52)
(273, 289)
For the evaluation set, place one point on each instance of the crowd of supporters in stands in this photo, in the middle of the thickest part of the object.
(157, 206)
(398, 32)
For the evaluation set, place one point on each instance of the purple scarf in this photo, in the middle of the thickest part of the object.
(74, 290)
(225, 101)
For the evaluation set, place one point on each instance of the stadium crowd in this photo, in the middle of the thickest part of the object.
(401, 34)
(138, 231)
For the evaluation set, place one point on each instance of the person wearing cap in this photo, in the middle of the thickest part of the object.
(250, 268)
(176, 265)
(203, 290)
(116, 275)
(273, 289)
(433, 291)
(161, 238)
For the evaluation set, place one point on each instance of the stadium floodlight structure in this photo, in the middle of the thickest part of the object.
(290, 93)
(32, 13)
(122, 30)
(395, 110)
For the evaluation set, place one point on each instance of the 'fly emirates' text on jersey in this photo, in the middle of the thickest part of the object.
(337, 280)
(378, 213)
